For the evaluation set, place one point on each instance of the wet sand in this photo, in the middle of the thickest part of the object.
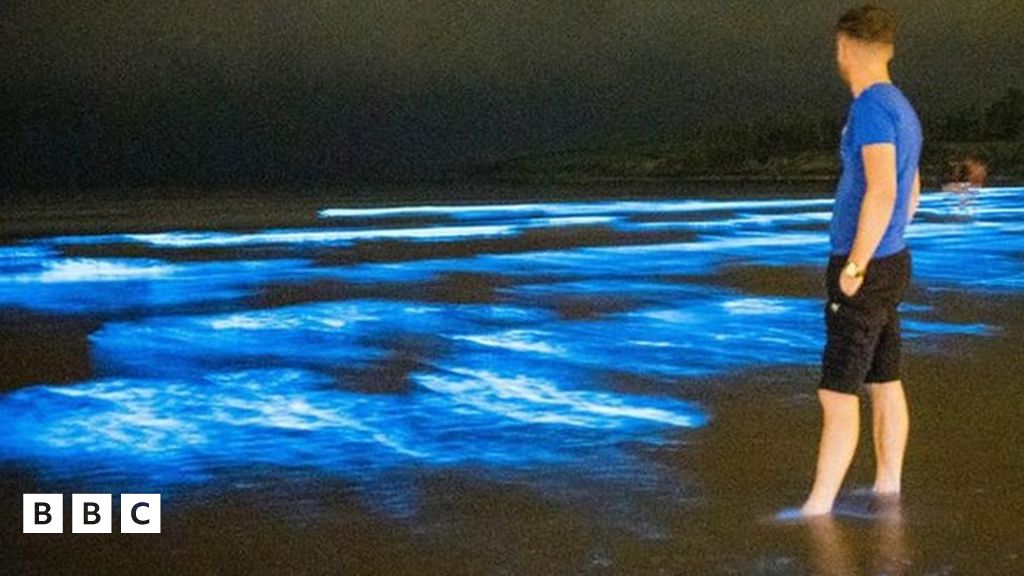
(961, 512)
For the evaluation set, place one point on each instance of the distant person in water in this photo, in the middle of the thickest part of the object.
(970, 172)
(964, 179)
(869, 266)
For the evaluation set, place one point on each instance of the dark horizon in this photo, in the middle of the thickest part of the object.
(200, 95)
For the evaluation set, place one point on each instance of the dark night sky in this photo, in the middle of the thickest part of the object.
(211, 93)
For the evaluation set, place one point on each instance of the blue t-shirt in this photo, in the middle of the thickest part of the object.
(881, 113)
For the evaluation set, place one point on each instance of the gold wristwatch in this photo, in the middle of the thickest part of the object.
(851, 269)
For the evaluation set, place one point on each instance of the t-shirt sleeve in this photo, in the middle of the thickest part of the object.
(872, 124)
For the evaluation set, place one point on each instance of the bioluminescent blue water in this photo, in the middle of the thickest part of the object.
(169, 431)
(317, 236)
(500, 358)
(473, 212)
(71, 285)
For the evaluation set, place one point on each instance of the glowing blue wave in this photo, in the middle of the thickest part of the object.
(90, 285)
(165, 433)
(568, 208)
(328, 237)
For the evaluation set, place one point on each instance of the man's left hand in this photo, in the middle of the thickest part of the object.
(850, 284)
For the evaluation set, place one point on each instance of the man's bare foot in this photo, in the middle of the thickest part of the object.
(807, 512)
(812, 509)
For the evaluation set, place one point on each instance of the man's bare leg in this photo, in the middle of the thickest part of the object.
(890, 427)
(839, 434)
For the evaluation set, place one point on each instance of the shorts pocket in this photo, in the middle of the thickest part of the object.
(854, 315)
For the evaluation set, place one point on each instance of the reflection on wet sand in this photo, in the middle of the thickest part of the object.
(830, 546)
(882, 542)
(891, 554)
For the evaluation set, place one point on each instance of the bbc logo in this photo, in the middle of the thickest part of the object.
(90, 513)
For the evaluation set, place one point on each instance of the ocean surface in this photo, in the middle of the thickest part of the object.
(609, 380)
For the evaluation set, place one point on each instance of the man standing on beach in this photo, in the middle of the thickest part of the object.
(869, 267)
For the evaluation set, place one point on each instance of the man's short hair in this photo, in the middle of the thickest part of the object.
(870, 23)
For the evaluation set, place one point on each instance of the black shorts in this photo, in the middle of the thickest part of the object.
(863, 331)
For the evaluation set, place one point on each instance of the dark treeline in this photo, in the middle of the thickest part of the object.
(1000, 120)
(275, 137)
(786, 146)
